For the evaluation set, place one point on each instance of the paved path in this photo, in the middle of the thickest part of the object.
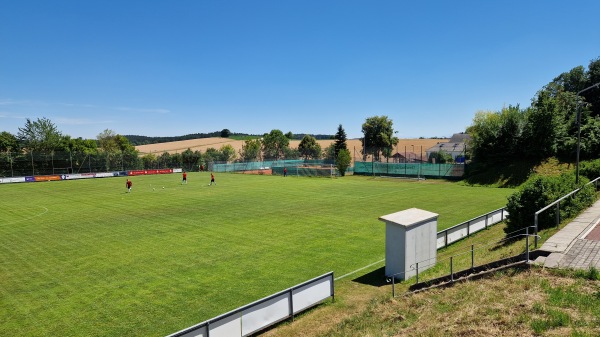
(577, 245)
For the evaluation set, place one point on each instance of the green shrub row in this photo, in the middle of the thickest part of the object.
(538, 192)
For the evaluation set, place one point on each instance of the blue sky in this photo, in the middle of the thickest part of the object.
(169, 68)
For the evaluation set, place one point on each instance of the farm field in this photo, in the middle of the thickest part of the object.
(84, 258)
(419, 146)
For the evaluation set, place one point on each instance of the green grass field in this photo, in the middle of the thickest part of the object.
(84, 258)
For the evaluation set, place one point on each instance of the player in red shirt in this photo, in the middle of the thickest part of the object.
(212, 179)
(128, 185)
(184, 181)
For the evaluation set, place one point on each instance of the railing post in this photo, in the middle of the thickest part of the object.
(446, 238)
(535, 228)
(472, 257)
(451, 271)
(291, 307)
(527, 244)
(557, 214)
(393, 286)
(417, 272)
(502, 214)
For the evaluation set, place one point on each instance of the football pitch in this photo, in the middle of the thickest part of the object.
(85, 258)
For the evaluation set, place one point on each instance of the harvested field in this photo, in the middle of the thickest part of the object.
(354, 145)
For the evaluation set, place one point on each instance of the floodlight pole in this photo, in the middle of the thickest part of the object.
(579, 129)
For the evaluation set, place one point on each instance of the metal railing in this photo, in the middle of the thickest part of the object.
(557, 211)
(425, 264)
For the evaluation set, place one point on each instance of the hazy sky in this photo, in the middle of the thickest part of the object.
(169, 68)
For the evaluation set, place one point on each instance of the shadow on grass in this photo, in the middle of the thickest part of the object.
(376, 278)
(500, 175)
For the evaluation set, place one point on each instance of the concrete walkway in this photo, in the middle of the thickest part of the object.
(577, 245)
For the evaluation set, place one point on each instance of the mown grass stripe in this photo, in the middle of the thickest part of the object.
(121, 261)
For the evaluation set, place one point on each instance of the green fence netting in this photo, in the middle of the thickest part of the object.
(423, 170)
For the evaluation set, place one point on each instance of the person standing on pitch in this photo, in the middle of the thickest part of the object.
(212, 179)
(184, 179)
(285, 171)
(128, 185)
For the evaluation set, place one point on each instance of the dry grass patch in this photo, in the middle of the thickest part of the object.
(516, 302)
(509, 303)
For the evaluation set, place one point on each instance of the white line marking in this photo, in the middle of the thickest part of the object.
(357, 270)
(32, 217)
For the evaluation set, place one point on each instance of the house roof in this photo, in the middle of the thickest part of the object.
(456, 143)
(459, 138)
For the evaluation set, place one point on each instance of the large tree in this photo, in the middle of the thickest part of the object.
(40, 135)
(79, 145)
(8, 142)
(190, 159)
(227, 153)
(497, 136)
(118, 153)
(225, 133)
(107, 140)
(329, 152)
(309, 148)
(340, 140)
(274, 144)
(378, 136)
(549, 123)
(593, 96)
(250, 150)
(548, 127)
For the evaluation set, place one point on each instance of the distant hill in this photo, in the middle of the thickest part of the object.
(144, 140)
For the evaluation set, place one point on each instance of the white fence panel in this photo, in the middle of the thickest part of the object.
(266, 313)
(227, 326)
(467, 228)
(497, 216)
(307, 295)
(477, 225)
(201, 331)
(258, 315)
(441, 240)
(457, 233)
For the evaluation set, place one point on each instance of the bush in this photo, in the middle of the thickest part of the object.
(540, 191)
(343, 161)
(590, 169)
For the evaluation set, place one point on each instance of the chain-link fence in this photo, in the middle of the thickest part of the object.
(416, 170)
(59, 162)
(297, 167)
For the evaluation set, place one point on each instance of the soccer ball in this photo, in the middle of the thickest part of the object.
(154, 189)
(163, 187)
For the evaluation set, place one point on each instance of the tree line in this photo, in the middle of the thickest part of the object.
(225, 133)
(563, 115)
(40, 147)
(547, 128)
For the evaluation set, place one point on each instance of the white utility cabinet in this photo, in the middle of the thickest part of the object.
(410, 238)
